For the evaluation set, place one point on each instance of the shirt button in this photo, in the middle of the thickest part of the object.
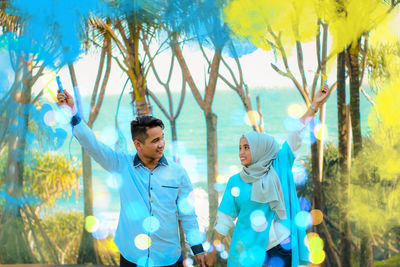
(151, 173)
(151, 188)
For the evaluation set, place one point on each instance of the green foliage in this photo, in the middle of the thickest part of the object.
(64, 229)
(374, 194)
(383, 62)
(47, 176)
(391, 262)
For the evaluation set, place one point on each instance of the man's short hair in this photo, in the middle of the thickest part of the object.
(141, 124)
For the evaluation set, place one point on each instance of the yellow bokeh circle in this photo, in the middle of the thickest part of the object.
(142, 241)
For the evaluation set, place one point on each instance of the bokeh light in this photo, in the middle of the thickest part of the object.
(222, 179)
(216, 242)
(219, 187)
(258, 221)
(220, 247)
(151, 224)
(303, 219)
(316, 245)
(317, 216)
(252, 117)
(101, 233)
(114, 182)
(142, 241)
(188, 262)
(320, 131)
(49, 118)
(186, 205)
(235, 191)
(305, 204)
(300, 175)
(296, 110)
(207, 246)
(233, 169)
(91, 224)
(224, 255)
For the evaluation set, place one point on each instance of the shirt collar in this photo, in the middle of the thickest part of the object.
(137, 161)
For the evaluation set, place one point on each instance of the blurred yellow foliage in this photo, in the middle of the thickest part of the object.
(297, 20)
(293, 20)
(375, 189)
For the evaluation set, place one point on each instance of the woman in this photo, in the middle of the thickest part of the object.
(263, 199)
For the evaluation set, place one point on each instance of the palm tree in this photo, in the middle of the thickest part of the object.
(126, 32)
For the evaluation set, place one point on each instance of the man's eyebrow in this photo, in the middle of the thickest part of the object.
(156, 138)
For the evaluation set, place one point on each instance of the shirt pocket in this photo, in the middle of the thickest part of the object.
(167, 195)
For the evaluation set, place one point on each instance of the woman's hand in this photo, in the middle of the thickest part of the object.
(321, 96)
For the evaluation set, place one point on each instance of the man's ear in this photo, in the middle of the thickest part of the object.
(137, 144)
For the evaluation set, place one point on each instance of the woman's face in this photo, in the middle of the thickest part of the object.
(244, 152)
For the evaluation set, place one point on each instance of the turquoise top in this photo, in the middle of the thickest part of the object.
(250, 236)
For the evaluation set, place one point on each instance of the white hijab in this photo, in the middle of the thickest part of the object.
(266, 187)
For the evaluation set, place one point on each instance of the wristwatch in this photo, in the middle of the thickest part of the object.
(314, 108)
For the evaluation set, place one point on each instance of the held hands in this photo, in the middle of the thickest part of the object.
(211, 258)
(200, 260)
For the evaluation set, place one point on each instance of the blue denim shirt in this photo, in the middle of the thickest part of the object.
(151, 203)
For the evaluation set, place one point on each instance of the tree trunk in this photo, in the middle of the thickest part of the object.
(14, 245)
(344, 166)
(174, 145)
(87, 251)
(212, 164)
(367, 258)
(332, 257)
(366, 255)
(355, 98)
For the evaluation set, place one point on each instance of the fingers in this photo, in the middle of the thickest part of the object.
(325, 88)
(67, 94)
(61, 98)
(200, 260)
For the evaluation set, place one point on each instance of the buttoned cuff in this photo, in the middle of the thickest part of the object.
(75, 120)
(224, 223)
(197, 249)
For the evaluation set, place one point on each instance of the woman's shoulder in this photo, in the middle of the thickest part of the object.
(235, 180)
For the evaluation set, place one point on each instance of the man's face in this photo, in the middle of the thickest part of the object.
(153, 146)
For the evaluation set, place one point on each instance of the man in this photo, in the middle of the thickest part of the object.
(154, 194)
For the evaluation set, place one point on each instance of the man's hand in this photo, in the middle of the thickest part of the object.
(65, 98)
(200, 260)
(211, 258)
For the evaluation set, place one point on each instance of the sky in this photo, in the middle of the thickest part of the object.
(256, 68)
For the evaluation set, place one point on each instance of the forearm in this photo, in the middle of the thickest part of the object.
(311, 111)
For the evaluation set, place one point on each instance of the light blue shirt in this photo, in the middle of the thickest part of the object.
(151, 204)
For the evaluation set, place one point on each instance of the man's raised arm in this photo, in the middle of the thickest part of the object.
(102, 154)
